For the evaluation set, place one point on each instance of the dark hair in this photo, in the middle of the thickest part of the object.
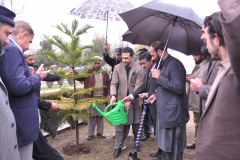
(158, 45)
(206, 21)
(22, 26)
(128, 50)
(215, 27)
(146, 55)
(143, 49)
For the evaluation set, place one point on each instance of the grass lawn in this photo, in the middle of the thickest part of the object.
(45, 88)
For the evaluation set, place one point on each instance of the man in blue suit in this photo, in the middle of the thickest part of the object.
(21, 87)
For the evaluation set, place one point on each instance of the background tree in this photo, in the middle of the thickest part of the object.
(40, 57)
(97, 49)
(77, 107)
(17, 6)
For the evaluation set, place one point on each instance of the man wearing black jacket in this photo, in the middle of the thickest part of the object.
(42, 150)
(115, 60)
(146, 90)
(29, 57)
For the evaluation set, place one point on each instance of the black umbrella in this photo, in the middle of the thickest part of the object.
(158, 21)
(135, 38)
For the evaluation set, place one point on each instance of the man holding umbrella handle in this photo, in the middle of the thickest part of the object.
(172, 106)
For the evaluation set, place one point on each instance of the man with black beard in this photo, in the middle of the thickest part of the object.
(199, 71)
(200, 86)
(172, 106)
(29, 56)
(8, 137)
(115, 60)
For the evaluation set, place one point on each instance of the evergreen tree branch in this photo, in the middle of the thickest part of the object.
(87, 91)
(66, 29)
(59, 43)
(74, 26)
(83, 30)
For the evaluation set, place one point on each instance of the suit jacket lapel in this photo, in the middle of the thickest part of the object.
(124, 72)
(145, 79)
(166, 63)
(214, 92)
(210, 71)
(131, 72)
(149, 82)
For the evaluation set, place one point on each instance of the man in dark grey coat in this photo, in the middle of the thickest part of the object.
(172, 105)
(8, 138)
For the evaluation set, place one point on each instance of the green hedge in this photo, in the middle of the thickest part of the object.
(50, 121)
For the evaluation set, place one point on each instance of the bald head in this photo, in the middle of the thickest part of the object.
(21, 26)
(23, 34)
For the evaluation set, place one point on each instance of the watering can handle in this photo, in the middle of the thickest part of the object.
(107, 108)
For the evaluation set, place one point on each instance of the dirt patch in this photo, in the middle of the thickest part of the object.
(103, 148)
(71, 150)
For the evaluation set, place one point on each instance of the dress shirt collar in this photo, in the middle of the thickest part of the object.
(153, 68)
(130, 65)
(225, 64)
(15, 42)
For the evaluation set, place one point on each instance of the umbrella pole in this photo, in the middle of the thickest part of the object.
(106, 30)
(167, 42)
(107, 26)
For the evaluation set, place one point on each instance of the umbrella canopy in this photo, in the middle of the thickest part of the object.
(102, 10)
(135, 38)
(155, 20)
(97, 9)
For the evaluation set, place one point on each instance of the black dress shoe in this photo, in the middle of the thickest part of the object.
(117, 153)
(153, 154)
(145, 138)
(101, 135)
(90, 138)
(157, 154)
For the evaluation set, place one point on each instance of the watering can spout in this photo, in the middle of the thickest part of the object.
(116, 116)
(102, 113)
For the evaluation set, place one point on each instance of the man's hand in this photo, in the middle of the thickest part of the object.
(55, 107)
(128, 105)
(151, 99)
(126, 99)
(188, 78)
(195, 84)
(41, 73)
(31, 70)
(156, 73)
(113, 100)
(143, 95)
(71, 72)
(106, 47)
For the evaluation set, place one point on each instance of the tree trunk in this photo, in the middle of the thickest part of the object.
(77, 131)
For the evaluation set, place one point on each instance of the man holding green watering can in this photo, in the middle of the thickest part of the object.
(126, 78)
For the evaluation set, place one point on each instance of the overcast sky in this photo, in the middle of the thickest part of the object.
(43, 14)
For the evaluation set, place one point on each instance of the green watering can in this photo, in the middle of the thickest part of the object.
(116, 116)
